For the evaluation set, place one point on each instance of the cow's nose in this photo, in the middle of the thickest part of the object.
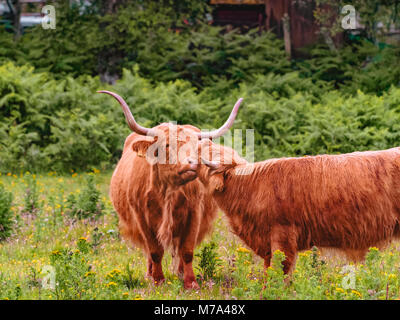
(192, 163)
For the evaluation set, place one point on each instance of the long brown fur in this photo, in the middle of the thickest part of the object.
(348, 202)
(156, 213)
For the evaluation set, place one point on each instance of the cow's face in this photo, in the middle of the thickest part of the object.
(171, 152)
(215, 161)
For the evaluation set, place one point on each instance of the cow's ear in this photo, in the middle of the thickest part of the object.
(216, 182)
(141, 146)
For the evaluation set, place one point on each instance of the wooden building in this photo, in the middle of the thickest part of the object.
(270, 14)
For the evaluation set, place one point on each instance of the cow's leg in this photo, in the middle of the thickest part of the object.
(153, 248)
(284, 238)
(189, 279)
(267, 261)
(156, 259)
(155, 253)
(149, 266)
(186, 248)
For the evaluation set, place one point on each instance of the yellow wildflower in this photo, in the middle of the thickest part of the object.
(356, 293)
(112, 283)
(89, 273)
(55, 252)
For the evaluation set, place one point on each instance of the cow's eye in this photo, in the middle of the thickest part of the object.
(167, 146)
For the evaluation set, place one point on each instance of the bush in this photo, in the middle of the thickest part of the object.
(74, 277)
(167, 44)
(360, 65)
(6, 215)
(274, 285)
(55, 125)
(336, 124)
(206, 55)
(59, 125)
(88, 203)
(208, 261)
(172, 40)
(70, 49)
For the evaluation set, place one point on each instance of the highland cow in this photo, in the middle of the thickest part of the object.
(347, 202)
(153, 189)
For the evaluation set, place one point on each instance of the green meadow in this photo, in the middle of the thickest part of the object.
(54, 239)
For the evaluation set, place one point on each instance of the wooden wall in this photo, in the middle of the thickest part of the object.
(303, 28)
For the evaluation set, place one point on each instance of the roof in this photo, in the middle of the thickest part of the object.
(238, 2)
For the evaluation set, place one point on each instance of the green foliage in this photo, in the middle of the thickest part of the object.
(380, 73)
(172, 40)
(167, 41)
(129, 279)
(9, 288)
(358, 66)
(31, 195)
(208, 263)
(73, 277)
(6, 215)
(69, 49)
(59, 125)
(274, 284)
(88, 203)
(376, 16)
(8, 48)
(206, 55)
(378, 278)
(97, 237)
(57, 211)
(54, 124)
(336, 124)
(311, 280)
(246, 282)
(176, 67)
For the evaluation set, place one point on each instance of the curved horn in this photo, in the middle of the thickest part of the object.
(135, 127)
(226, 126)
(211, 164)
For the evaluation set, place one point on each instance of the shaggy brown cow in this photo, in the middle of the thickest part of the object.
(348, 202)
(158, 203)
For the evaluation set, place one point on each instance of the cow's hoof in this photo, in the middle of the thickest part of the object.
(191, 285)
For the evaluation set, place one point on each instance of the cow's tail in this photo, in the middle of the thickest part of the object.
(165, 230)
